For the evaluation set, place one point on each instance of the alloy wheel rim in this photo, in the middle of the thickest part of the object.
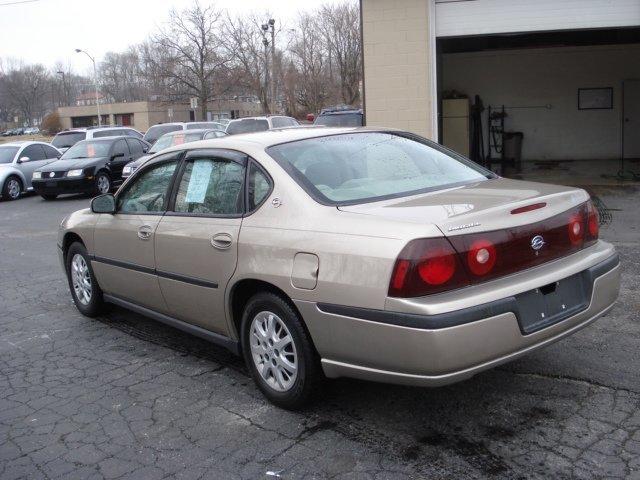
(13, 188)
(103, 184)
(81, 279)
(273, 351)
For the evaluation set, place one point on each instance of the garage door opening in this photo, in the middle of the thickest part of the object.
(556, 106)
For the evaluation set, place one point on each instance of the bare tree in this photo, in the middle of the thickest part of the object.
(121, 78)
(26, 89)
(341, 24)
(188, 54)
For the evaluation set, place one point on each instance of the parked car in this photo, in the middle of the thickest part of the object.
(362, 253)
(31, 131)
(18, 160)
(260, 124)
(169, 140)
(68, 138)
(340, 116)
(155, 132)
(90, 166)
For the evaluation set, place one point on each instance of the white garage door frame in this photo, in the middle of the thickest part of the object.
(455, 18)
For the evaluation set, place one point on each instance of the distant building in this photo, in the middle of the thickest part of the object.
(85, 99)
(142, 115)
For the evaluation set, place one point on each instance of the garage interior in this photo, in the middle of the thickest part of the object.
(555, 106)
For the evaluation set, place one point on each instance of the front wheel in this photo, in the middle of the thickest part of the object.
(103, 184)
(12, 188)
(85, 290)
(278, 351)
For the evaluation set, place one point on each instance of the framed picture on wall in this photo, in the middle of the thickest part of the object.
(595, 98)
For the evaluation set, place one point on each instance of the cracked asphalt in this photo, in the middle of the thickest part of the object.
(124, 397)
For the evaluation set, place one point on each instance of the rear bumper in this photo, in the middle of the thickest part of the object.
(60, 186)
(434, 350)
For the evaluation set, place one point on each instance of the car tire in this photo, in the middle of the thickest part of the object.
(49, 197)
(12, 188)
(269, 361)
(102, 184)
(85, 291)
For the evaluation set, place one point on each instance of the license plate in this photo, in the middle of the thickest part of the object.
(548, 305)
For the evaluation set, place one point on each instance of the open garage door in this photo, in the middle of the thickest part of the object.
(481, 17)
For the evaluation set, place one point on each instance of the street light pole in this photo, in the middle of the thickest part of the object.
(95, 82)
(272, 23)
(265, 42)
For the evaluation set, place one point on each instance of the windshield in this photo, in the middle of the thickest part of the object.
(67, 139)
(87, 149)
(340, 120)
(246, 126)
(170, 140)
(7, 154)
(155, 132)
(362, 167)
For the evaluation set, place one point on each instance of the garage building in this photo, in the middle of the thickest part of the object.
(558, 81)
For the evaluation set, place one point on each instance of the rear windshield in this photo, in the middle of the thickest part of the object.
(7, 154)
(155, 132)
(369, 166)
(67, 139)
(170, 140)
(340, 120)
(246, 126)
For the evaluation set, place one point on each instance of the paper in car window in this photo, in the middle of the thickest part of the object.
(91, 150)
(178, 139)
(199, 181)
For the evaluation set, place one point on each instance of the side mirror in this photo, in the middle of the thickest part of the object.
(117, 155)
(23, 159)
(104, 204)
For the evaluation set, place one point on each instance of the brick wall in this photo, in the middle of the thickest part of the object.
(399, 65)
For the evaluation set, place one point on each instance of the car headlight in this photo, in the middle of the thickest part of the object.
(37, 175)
(74, 173)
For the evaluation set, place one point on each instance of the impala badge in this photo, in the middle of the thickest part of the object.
(537, 243)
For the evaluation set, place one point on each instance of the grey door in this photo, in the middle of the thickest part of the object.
(631, 119)
(32, 157)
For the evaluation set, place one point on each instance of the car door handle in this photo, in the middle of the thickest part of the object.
(221, 241)
(144, 232)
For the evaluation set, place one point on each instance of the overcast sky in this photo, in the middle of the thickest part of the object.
(47, 31)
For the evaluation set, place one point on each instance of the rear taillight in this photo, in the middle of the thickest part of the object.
(425, 266)
(434, 265)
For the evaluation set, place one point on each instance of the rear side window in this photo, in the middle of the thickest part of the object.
(258, 188)
(340, 120)
(50, 152)
(135, 146)
(211, 186)
(247, 125)
(68, 139)
(120, 147)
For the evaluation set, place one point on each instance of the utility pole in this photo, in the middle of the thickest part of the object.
(269, 92)
(272, 23)
(95, 82)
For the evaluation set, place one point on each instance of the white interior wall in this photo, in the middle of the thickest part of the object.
(549, 76)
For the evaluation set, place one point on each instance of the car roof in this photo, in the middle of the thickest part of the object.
(20, 143)
(276, 136)
(193, 130)
(110, 138)
(93, 129)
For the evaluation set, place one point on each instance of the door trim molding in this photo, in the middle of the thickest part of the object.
(152, 271)
(231, 345)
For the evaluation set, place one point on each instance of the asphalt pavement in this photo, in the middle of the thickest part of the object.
(125, 397)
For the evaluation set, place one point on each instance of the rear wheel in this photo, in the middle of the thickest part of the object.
(278, 351)
(12, 188)
(85, 290)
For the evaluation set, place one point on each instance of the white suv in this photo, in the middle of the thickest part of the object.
(260, 124)
(68, 138)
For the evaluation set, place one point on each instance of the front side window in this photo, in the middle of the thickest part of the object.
(155, 132)
(33, 153)
(211, 187)
(214, 134)
(340, 120)
(363, 167)
(148, 192)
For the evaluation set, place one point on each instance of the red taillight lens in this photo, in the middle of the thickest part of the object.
(425, 266)
(575, 228)
(481, 257)
(593, 222)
